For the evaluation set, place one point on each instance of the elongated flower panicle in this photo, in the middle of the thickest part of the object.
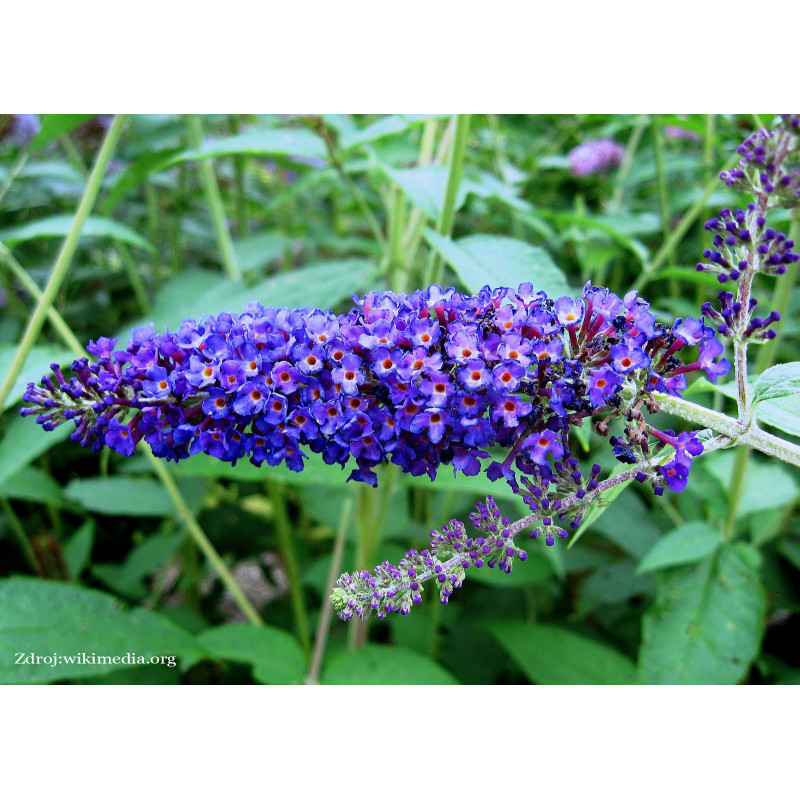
(418, 380)
(594, 157)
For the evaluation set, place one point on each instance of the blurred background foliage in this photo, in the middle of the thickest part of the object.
(200, 215)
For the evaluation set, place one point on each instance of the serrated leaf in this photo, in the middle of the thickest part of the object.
(778, 381)
(59, 226)
(553, 655)
(706, 624)
(45, 617)
(684, 545)
(489, 260)
(381, 665)
(274, 654)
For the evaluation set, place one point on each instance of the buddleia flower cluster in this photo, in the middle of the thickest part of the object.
(594, 157)
(743, 243)
(419, 380)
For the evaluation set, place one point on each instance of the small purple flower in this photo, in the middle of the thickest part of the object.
(158, 384)
(250, 399)
(474, 375)
(201, 373)
(602, 384)
(216, 404)
(349, 375)
(510, 410)
(569, 311)
(539, 445)
(709, 350)
(507, 375)
(437, 387)
(285, 377)
(231, 375)
(629, 358)
(676, 475)
(690, 331)
(119, 438)
(434, 421)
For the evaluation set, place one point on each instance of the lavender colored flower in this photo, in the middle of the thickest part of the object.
(19, 129)
(596, 156)
(420, 380)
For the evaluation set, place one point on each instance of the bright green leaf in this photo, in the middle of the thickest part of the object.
(45, 617)
(778, 381)
(275, 655)
(78, 549)
(59, 226)
(119, 495)
(487, 259)
(54, 126)
(706, 624)
(33, 485)
(553, 655)
(25, 441)
(384, 665)
(690, 542)
(36, 365)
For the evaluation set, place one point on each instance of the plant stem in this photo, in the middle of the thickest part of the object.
(137, 284)
(286, 546)
(398, 267)
(20, 537)
(214, 201)
(663, 195)
(753, 436)
(201, 540)
(627, 162)
(680, 230)
(708, 147)
(15, 170)
(30, 285)
(447, 216)
(326, 613)
(62, 263)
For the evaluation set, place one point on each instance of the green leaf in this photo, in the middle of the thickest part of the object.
(121, 496)
(379, 665)
(778, 381)
(54, 126)
(386, 126)
(24, 441)
(487, 259)
(612, 584)
(706, 624)
(78, 548)
(533, 572)
(60, 225)
(275, 655)
(767, 484)
(36, 365)
(33, 485)
(260, 249)
(552, 655)
(135, 175)
(45, 617)
(688, 543)
(262, 142)
(196, 292)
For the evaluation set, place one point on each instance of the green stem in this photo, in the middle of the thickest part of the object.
(447, 217)
(326, 614)
(30, 286)
(677, 234)
(20, 537)
(286, 546)
(137, 284)
(627, 163)
(398, 267)
(708, 147)
(214, 201)
(752, 436)
(61, 266)
(201, 540)
(740, 462)
(663, 195)
(15, 170)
